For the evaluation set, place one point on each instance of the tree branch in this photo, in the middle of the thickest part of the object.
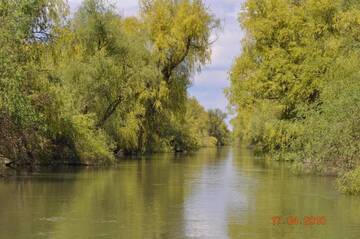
(109, 111)
(168, 69)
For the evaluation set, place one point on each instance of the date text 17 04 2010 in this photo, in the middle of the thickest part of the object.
(294, 220)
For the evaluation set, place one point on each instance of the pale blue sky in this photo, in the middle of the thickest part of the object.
(208, 86)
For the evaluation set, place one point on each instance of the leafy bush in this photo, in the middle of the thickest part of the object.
(349, 182)
(91, 145)
(331, 141)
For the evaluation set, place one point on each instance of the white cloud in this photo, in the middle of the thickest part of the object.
(208, 87)
(227, 47)
(212, 78)
(128, 7)
(74, 4)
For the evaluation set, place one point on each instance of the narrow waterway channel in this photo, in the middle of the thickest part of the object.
(214, 193)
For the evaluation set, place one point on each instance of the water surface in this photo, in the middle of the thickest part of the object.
(214, 193)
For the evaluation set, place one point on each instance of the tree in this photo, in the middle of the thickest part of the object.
(25, 33)
(217, 127)
(87, 87)
(295, 85)
(286, 52)
(179, 34)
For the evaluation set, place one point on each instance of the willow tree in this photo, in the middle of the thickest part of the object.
(286, 52)
(104, 69)
(87, 86)
(217, 127)
(179, 34)
(124, 92)
(26, 30)
(295, 85)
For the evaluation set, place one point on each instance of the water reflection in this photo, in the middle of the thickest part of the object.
(225, 193)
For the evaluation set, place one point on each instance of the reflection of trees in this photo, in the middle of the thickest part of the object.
(131, 201)
(137, 199)
(154, 198)
(29, 204)
(278, 193)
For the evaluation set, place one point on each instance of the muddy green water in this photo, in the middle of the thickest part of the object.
(225, 193)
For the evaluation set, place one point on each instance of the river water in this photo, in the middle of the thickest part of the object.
(214, 193)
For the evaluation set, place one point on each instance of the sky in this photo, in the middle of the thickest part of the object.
(207, 86)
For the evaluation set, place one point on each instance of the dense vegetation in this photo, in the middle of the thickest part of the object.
(296, 85)
(89, 86)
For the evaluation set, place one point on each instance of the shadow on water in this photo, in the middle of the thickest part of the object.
(213, 193)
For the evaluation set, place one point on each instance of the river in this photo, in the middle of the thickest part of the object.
(213, 193)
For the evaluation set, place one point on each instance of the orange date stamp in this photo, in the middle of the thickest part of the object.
(294, 220)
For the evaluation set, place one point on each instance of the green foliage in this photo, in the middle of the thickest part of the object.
(295, 86)
(217, 127)
(25, 26)
(179, 32)
(87, 87)
(333, 142)
(91, 145)
(193, 131)
(350, 182)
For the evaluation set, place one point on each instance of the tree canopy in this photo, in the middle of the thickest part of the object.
(90, 86)
(295, 85)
